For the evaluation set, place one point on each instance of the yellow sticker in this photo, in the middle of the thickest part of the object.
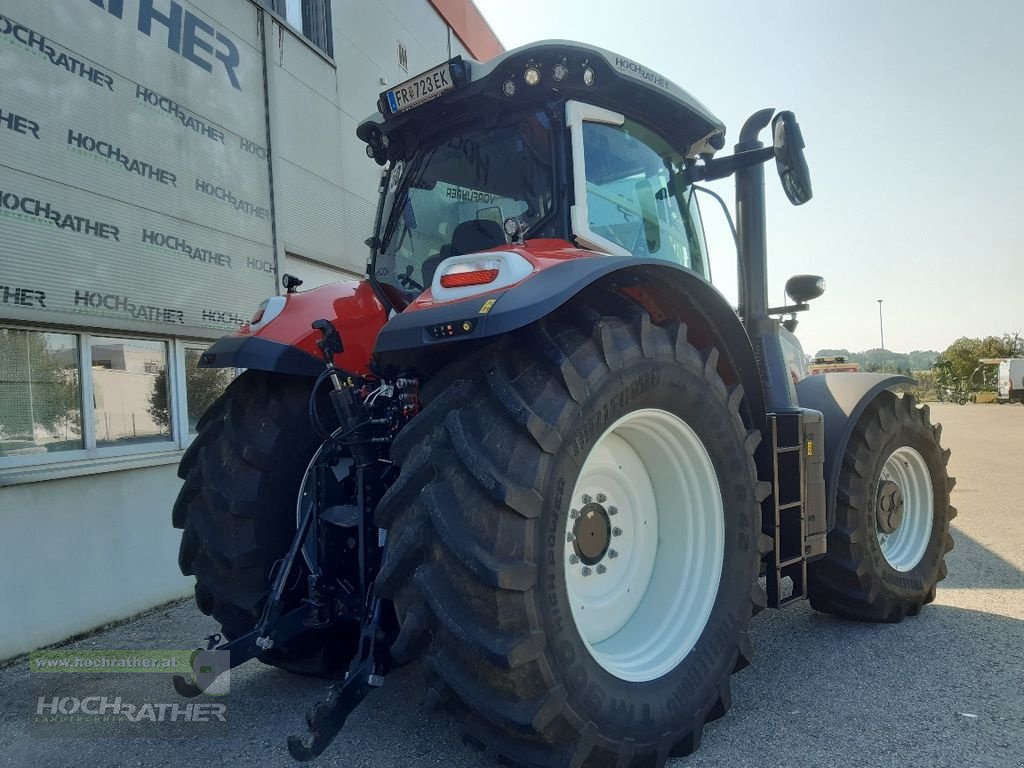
(487, 306)
(810, 447)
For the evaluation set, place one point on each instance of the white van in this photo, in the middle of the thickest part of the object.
(1011, 380)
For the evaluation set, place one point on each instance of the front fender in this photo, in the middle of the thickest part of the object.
(842, 398)
(287, 343)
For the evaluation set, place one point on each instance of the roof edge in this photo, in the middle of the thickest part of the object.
(470, 26)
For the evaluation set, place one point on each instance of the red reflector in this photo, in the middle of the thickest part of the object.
(476, 277)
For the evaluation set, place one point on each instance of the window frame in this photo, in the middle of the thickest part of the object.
(88, 400)
(316, 14)
(578, 113)
(92, 458)
(26, 458)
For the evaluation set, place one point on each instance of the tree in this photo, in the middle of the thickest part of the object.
(922, 359)
(158, 409)
(1013, 344)
(879, 359)
(38, 386)
(202, 385)
(962, 359)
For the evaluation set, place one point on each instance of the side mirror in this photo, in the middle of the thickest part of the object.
(789, 158)
(803, 288)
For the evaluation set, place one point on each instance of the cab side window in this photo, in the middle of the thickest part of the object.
(633, 197)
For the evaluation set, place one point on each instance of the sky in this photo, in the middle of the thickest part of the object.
(912, 112)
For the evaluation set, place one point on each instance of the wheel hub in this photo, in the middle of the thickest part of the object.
(904, 508)
(592, 532)
(889, 507)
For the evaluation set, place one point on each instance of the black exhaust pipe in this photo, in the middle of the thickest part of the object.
(780, 393)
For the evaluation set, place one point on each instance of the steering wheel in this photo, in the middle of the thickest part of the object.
(407, 281)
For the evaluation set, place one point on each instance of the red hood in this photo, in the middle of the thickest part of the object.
(352, 306)
(358, 313)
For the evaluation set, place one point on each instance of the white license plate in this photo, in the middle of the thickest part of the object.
(420, 89)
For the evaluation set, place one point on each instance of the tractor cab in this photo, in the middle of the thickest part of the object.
(556, 153)
(554, 141)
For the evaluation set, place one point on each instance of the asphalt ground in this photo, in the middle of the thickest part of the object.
(945, 688)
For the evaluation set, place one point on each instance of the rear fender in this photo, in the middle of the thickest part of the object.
(431, 336)
(842, 398)
(287, 343)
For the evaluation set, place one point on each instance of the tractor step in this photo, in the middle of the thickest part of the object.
(794, 513)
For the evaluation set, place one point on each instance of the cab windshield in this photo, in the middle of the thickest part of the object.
(453, 198)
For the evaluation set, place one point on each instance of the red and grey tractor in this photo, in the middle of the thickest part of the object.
(535, 449)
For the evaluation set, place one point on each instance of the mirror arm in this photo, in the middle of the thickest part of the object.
(721, 167)
(790, 309)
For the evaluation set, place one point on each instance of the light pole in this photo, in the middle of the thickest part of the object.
(881, 331)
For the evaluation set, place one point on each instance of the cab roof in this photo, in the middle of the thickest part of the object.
(617, 83)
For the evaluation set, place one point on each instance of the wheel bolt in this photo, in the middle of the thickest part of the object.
(613, 510)
(586, 571)
(574, 513)
(586, 498)
(612, 553)
(573, 559)
(570, 537)
(601, 498)
(601, 569)
(616, 531)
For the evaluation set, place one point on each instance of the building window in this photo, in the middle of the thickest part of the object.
(293, 12)
(310, 17)
(137, 396)
(40, 393)
(202, 385)
(130, 391)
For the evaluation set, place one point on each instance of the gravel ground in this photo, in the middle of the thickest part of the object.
(943, 689)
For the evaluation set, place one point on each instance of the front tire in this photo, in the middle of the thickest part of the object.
(574, 415)
(887, 551)
(236, 511)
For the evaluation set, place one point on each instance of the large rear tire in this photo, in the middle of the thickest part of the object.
(237, 507)
(886, 553)
(530, 463)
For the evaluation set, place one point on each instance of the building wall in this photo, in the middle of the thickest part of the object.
(139, 200)
(325, 185)
(80, 552)
(85, 534)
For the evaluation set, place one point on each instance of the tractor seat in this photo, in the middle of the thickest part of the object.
(477, 235)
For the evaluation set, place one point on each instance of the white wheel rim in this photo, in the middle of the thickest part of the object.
(641, 608)
(904, 547)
